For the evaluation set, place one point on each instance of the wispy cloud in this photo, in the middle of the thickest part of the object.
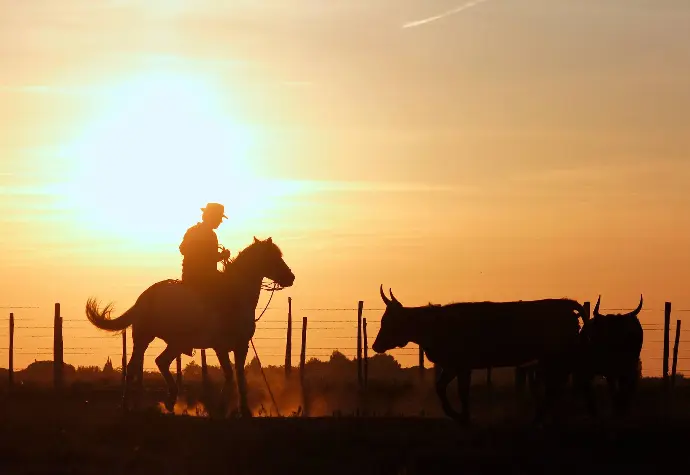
(297, 83)
(452, 12)
(317, 186)
(39, 89)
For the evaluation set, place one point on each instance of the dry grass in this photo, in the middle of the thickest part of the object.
(85, 432)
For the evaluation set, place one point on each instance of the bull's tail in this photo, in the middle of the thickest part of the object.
(101, 318)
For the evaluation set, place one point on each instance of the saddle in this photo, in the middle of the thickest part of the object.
(207, 295)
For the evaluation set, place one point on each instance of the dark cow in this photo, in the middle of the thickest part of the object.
(611, 346)
(460, 337)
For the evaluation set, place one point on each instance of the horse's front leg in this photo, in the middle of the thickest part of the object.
(240, 358)
(228, 386)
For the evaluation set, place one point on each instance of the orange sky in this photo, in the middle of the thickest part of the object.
(511, 150)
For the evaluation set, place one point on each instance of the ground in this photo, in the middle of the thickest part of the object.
(87, 433)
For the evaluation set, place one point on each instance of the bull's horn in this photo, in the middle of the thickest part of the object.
(596, 307)
(393, 296)
(637, 310)
(386, 300)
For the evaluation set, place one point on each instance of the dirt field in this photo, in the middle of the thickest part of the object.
(88, 434)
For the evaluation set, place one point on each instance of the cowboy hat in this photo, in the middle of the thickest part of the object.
(214, 208)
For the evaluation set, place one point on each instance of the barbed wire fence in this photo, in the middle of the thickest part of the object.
(330, 329)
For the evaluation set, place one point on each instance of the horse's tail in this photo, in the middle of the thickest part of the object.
(102, 320)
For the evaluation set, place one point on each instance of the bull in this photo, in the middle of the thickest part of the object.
(460, 337)
(610, 347)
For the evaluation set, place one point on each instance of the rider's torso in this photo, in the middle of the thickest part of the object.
(200, 250)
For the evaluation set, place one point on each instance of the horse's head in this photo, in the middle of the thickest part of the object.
(266, 258)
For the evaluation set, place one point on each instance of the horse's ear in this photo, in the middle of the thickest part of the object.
(269, 240)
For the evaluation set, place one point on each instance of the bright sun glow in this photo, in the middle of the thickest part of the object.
(162, 148)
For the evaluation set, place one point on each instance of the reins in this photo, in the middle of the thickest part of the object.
(272, 287)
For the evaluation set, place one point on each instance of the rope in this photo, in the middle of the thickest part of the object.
(272, 287)
(265, 380)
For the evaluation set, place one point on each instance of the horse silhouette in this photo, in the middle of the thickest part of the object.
(178, 315)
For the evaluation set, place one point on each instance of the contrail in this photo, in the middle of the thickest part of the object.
(443, 15)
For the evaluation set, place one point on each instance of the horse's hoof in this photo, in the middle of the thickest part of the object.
(462, 421)
(170, 404)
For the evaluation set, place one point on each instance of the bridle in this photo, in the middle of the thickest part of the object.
(272, 287)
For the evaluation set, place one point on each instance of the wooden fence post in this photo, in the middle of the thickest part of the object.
(667, 324)
(421, 362)
(204, 375)
(11, 350)
(360, 306)
(366, 352)
(124, 357)
(179, 373)
(288, 343)
(303, 351)
(588, 312)
(58, 354)
(675, 354)
(302, 367)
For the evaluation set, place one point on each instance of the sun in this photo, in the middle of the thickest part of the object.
(162, 146)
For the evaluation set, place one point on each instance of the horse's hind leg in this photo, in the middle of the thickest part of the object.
(135, 370)
(163, 362)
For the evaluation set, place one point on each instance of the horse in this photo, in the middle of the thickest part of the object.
(179, 315)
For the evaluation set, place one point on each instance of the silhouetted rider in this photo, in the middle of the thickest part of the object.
(200, 250)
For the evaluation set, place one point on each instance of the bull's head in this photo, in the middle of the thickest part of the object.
(393, 331)
(632, 314)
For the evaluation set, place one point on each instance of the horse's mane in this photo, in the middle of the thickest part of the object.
(251, 252)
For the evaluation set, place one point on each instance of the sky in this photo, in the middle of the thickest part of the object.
(452, 151)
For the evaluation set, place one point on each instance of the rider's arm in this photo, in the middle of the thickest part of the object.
(199, 244)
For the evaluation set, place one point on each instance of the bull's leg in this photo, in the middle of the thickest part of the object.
(163, 362)
(613, 390)
(464, 380)
(228, 385)
(553, 377)
(444, 378)
(240, 358)
(554, 391)
(582, 382)
(627, 384)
